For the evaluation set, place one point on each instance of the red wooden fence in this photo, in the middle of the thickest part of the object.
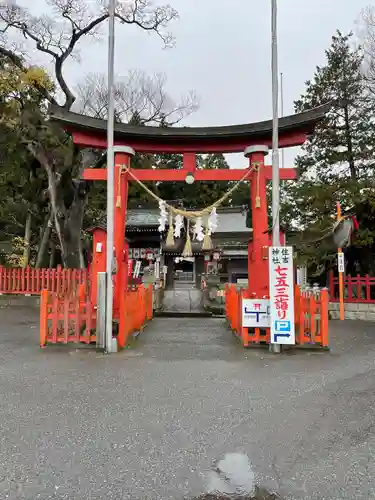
(311, 317)
(30, 281)
(359, 289)
(70, 317)
(135, 311)
(66, 318)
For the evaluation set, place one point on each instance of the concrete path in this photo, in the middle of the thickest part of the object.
(149, 423)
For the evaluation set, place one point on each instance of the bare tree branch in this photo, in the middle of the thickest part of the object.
(136, 96)
(366, 34)
(58, 34)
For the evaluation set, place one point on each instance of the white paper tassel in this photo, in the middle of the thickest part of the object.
(212, 221)
(178, 225)
(163, 216)
(198, 229)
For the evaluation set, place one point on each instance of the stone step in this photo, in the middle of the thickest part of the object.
(19, 300)
(183, 301)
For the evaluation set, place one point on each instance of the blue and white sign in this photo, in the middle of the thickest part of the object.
(282, 295)
(256, 313)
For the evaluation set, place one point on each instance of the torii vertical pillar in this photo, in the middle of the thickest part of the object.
(258, 247)
(123, 155)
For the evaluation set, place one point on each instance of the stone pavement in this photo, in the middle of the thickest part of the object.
(184, 300)
(148, 423)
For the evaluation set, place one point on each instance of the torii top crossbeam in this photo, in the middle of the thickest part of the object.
(91, 132)
(88, 131)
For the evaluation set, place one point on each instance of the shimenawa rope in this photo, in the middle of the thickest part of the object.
(185, 213)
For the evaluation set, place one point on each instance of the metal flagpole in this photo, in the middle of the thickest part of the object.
(275, 142)
(110, 174)
(282, 113)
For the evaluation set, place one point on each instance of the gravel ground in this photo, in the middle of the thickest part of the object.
(150, 422)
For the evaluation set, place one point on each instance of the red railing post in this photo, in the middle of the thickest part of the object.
(242, 330)
(23, 281)
(122, 329)
(2, 276)
(349, 282)
(12, 282)
(40, 280)
(312, 312)
(324, 317)
(297, 294)
(33, 279)
(43, 327)
(368, 289)
(19, 282)
(58, 279)
(301, 308)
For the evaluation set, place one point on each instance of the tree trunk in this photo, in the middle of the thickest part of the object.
(44, 244)
(68, 199)
(70, 221)
(349, 143)
(82, 262)
(27, 239)
(52, 255)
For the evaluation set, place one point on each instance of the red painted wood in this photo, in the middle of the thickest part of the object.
(234, 174)
(29, 281)
(144, 145)
(190, 162)
(357, 289)
(257, 265)
(121, 189)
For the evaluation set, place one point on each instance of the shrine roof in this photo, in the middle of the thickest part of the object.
(231, 220)
(141, 217)
(231, 136)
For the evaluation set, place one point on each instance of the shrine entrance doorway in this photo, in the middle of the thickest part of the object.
(184, 272)
(181, 294)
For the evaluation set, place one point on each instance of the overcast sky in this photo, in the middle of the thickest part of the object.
(223, 52)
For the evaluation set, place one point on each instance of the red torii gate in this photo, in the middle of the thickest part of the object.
(252, 139)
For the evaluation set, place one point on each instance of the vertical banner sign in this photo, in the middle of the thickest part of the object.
(282, 295)
(340, 262)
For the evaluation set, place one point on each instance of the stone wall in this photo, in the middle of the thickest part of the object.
(19, 300)
(365, 312)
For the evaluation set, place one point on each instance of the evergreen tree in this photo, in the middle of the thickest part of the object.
(337, 163)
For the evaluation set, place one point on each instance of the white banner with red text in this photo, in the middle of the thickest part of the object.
(281, 276)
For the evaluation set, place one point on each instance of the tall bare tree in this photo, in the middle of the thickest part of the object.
(136, 95)
(57, 35)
